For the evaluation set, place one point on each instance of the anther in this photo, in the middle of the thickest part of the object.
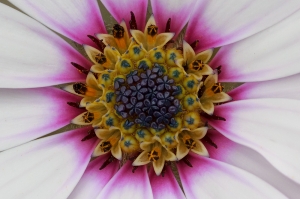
(81, 69)
(152, 30)
(100, 58)
(217, 88)
(90, 135)
(88, 117)
(105, 146)
(132, 22)
(195, 44)
(98, 42)
(214, 117)
(107, 162)
(219, 69)
(80, 88)
(168, 25)
(190, 143)
(209, 141)
(75, 104)
(118, 31)
(197, 65)
(187, 162)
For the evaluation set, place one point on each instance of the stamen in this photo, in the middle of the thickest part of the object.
(195, 44)
(118, 31)
(90, 135)
(217, 88)
(209, 141)
(98, 42)
(168, 25)
(187, 162)
(153, 155)
(105, 146)
(107, 162)
(190, 143)
(88, 117)
(197, 65)
(81, 69)
(75, 104)
(80, 88)
(152, 30)
(214, 117)
(132, 22)
(100, 58)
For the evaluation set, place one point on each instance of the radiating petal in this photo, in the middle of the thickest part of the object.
(209, 178)
(270, 54)
(179, 12)
(121, 10)
(46, 168)
(74, 19)
(286, 87)
(128, 185)
(165, 186)
(251, 161)
(217, 23)
(33, 56)
(31, 113)
(269, 126)
(93, 180)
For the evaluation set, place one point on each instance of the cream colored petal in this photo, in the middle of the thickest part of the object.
(97, 151)
(206, 70)
(211, 80)
(92, 53)
(205, 55)
(151, 21)
(188, 53)
(181, 151)
(116, 151)
(97, 107)
(92, 82)
(139, 37)
(146, 146)
(108, 40)
(86, 100)
(103, 134)
(207, 106)
(169, 155)
(142, 159)
(79, 120)
(163, 38)
(112, 54)
(97, 68)
(159, 165)
(200, 149)
(126, 34)
(69, 88)
(198, 133)
(219, 97)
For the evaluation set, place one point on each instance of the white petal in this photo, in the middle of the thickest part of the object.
(33, 56)
(27, 114)
(120, 10)
(251, 161)
(45, 168)
(270, 54)
(269, 126)
(93, 180)
(179, 11)
(286, 87)
(217, 23)
(165, 186)
(209, 178)
(74, 19)
(128, 185)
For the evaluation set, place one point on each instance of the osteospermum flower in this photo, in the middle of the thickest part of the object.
(151, 96)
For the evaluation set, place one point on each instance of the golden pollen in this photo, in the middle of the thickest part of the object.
(105, 146)
(217, 88)
(100, 58)
(190, 143)
(88, 117)
(153, 155)
(197, 65)
(152, 30)
(118, 31)
(80, 88)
